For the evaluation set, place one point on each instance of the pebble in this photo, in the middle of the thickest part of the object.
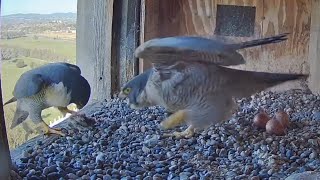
(184, 175)
(72, 176)
(54, 175)
(49, 169)
(100, 157)
(313, 155)
(107, 177)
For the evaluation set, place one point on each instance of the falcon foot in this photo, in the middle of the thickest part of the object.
(47, 130)
(65, 110)
(174, 120)
(188, 133)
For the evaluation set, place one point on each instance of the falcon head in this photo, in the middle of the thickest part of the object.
(134, 91)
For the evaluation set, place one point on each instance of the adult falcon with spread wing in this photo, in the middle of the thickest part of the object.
(50, 85)
(189, 78)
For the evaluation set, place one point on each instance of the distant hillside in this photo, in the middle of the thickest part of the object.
(36, 18)
(53, 25)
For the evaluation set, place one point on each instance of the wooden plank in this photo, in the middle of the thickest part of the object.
(150, 24)
(142, 27)
(94, 40)
(126, 21)
(314, 47)
(293, 16)
(5, 159)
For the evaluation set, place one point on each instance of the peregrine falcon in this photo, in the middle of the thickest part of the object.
(189, 77)
(51, 85)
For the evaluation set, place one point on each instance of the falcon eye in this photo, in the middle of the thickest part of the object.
(127, 91)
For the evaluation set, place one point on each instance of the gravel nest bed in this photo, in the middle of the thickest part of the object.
(128, 144)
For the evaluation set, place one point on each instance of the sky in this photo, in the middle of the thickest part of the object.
(37, 6)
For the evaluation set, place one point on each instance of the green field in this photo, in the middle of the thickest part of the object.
(11, 73)
(61, 47)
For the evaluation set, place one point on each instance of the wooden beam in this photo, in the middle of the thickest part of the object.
(125, 28)
(5, 158)
(94, 39)
(142, 30)
(314, 48)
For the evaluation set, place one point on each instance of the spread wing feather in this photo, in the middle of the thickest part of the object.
(168, 50)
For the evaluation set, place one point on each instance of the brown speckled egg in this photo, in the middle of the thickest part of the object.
(283, 117)
(260, 120)
(275, 127)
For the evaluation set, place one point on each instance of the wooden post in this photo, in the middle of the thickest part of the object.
(94, 42)
(107, 35)
(314, 51)
(142, 24)
(5, 158)
(126, 25)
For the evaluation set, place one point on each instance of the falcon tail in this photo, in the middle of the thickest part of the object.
(10, 101)
(246, 83)
(262, 41)
(273, 79)
(19, 117)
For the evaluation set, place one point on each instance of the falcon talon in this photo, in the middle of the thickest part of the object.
(188, 133)
(173, 120)
(169, 135)
(179, 135)
(65, 110)
(47, 130)
(53, 131)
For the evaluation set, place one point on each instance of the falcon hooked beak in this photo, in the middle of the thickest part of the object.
(122, 95)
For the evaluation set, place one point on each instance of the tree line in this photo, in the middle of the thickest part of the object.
(8, 53)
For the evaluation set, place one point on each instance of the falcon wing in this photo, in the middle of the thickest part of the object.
(72, 67)
(28, 85)
(168, 50)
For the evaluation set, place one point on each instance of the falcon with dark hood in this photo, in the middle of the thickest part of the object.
(51, 85)
(190, 78)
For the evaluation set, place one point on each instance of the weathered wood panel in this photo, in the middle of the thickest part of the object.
(314, 47)
(199, 17)
(5, 159)
(141, 34)
(94, 39)
(125, 28)
(293, 16)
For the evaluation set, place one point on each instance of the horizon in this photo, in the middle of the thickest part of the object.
(38, 13)
(10, 7)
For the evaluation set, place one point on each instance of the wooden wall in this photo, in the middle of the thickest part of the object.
(5, 159)
(107, 35)
(198, 17)
(314, 48)
(94, 43)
